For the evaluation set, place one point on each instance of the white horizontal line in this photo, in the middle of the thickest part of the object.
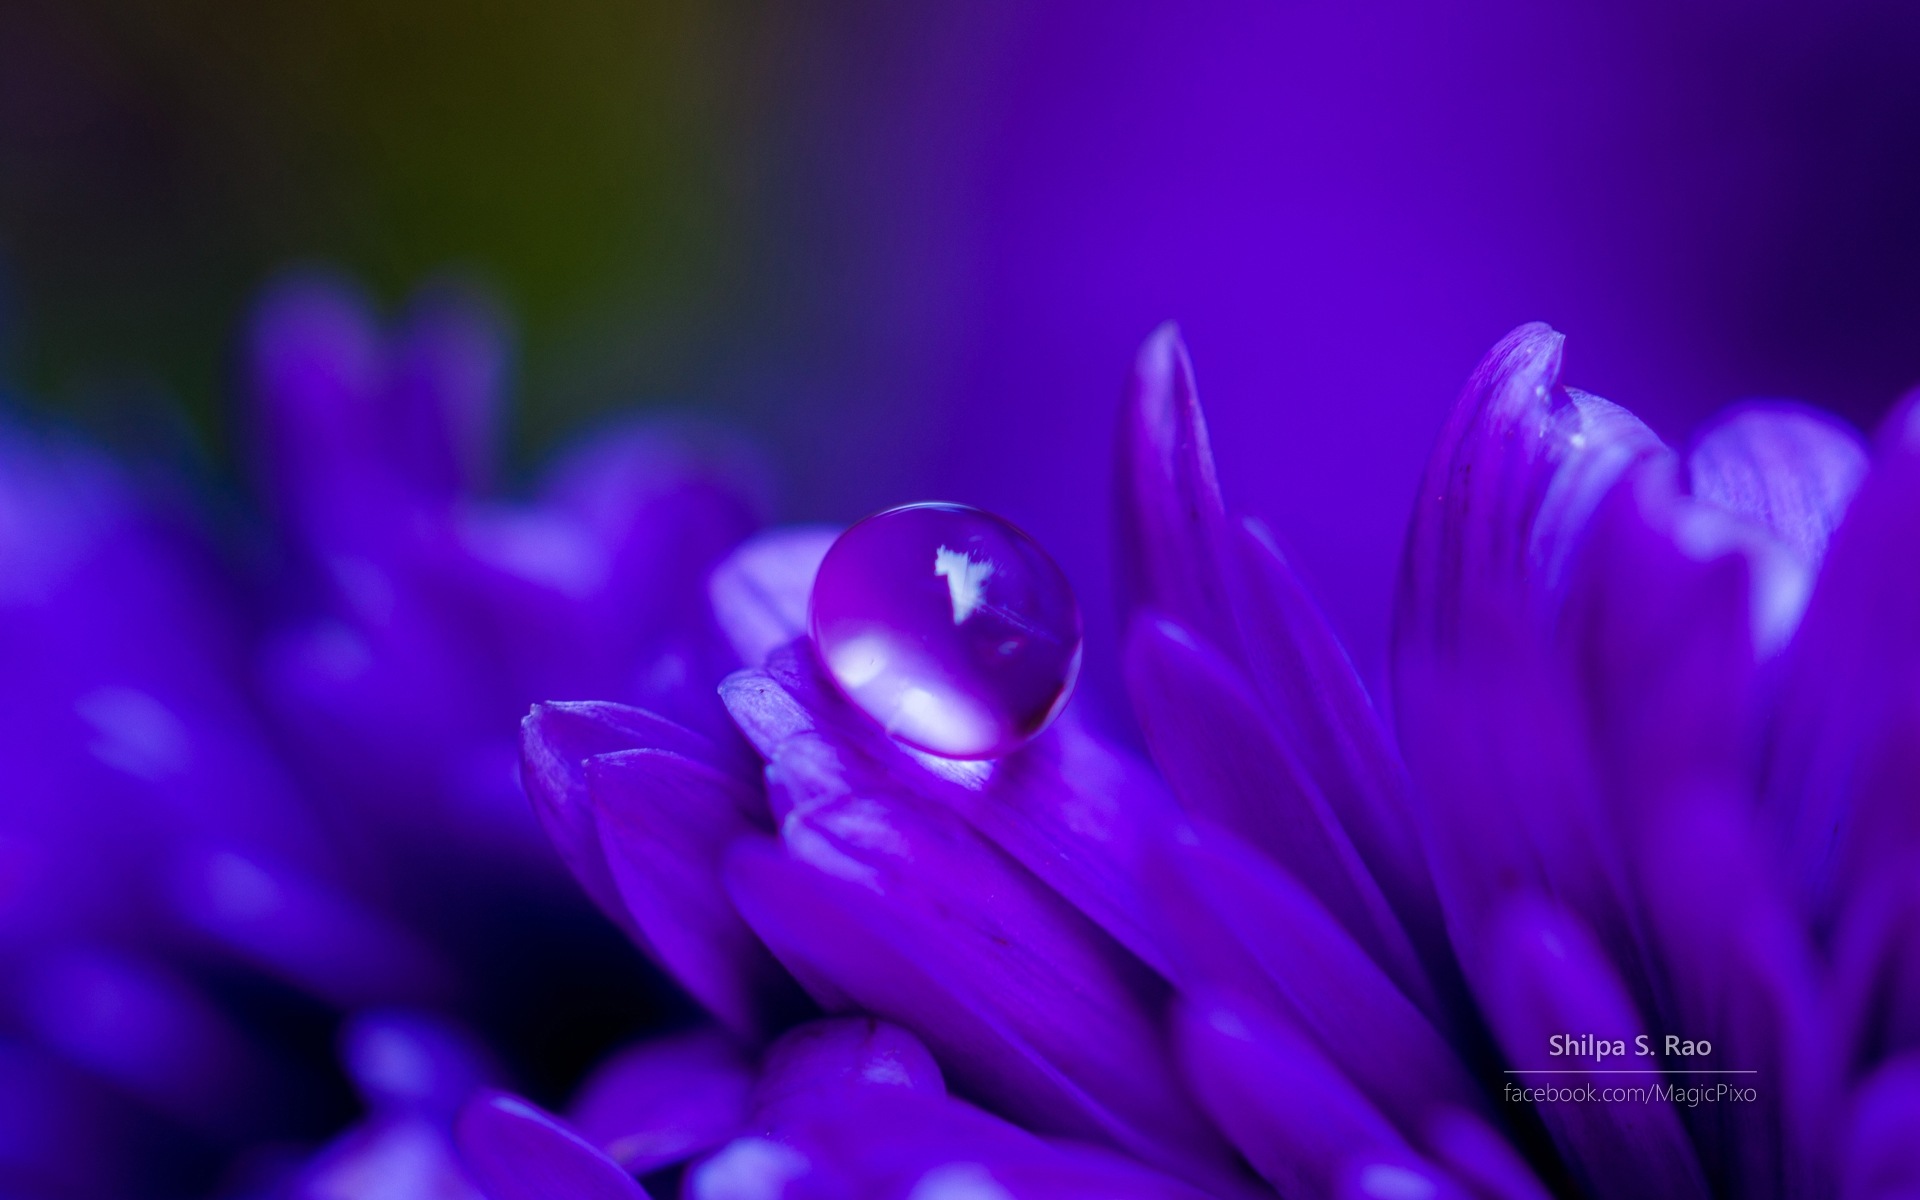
(1624, 1071)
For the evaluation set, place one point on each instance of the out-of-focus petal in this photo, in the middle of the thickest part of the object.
(514, 1151)
(761, 591)
(1295, 1117)
(1237, 924)
(1657, 625)
(1543, 976)
(1324, 715)
(822, 1058)
(314, 370)
(1876, 961)
(660, 1102)
(144, 1028)
(400, 1156)
(556, 740)
(1790, 468)
(1216, 747)
(446, 389)
(413, 1061)
(665, 822)
(304, 930)
(1845, 736)
(1880, 1155)
(907, 1143)
(1475, 1154)
(1742, 974)
(901, 910)
(1170, 519)
(758, 1168)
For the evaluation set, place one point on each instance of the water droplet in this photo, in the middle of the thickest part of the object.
(949, 627)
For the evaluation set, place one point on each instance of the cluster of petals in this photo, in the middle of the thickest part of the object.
(1650, 768)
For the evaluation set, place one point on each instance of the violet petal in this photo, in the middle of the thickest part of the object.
(1845, 736)
(514, 1151)
(555, 742)
(446, 389)
(906, 913)
(660, 1102)
(825, 1056)
(1881, 1157)
(1519, 467)
(1323, 713)
(1068, 807)
(1657, 624)
(405, 1060)
(1876, 959)
(1170, 518)
(1742, 974)
(760, 592)
(395, 1156)
(664, 824)
(1790, 468)
(1216, 747)
(1475, 1154)
(1238, 924)
(1544, 975)
(1294, 1116)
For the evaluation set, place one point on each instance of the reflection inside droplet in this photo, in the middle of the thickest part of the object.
(949, 627)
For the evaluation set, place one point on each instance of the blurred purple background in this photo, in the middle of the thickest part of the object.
(911, 248)
(1343, 205)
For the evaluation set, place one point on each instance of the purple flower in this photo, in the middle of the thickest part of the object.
(1648, 782)
(246, 793)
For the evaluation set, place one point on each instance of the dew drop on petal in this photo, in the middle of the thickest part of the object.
(949, 627)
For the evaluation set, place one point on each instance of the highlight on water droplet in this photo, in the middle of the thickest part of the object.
(948, 626)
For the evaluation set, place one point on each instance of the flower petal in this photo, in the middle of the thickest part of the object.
(303, 929)
(314, 368)
(664, 822)
(905, 912)
(1489, 718)
(1519, 467)
(1544, 975)
(394, 1156)
(1742, 974)
(1323, 714)
(660, 1102)
(925, 1146)
(1876, 956)
(823, 1057)
(1789, 468)
(760, 593)
(1479, 1157)
(1845, 734)
(412, 1061)
(1881, 1156)
(1068, 807)
(1236, 923)
(446, 389)
(1216, 747)
(1657, 625)
(1170, 517)
(515, 1151)
(1288, 1110)
(555, 742)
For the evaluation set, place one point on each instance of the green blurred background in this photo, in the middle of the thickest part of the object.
(614, 170)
